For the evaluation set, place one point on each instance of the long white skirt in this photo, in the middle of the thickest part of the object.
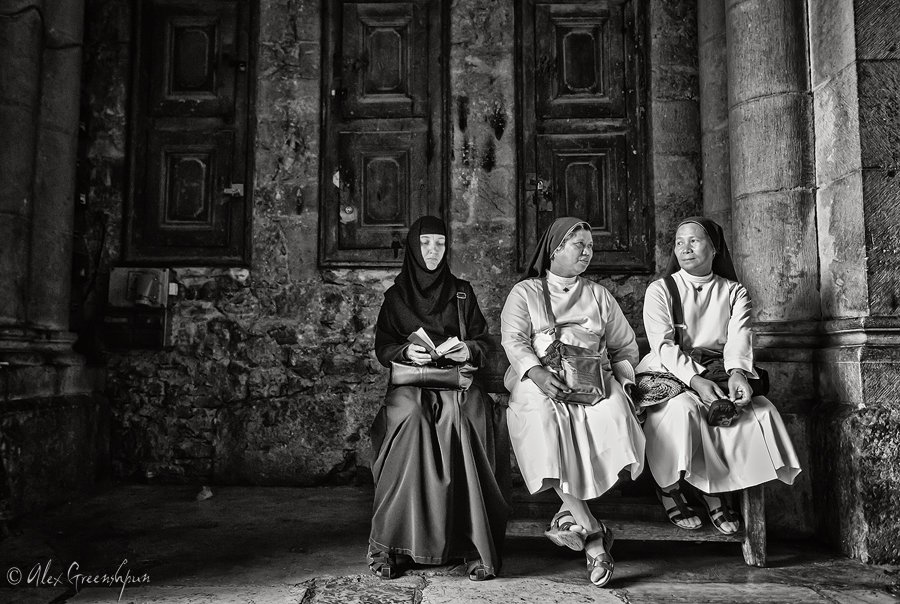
(753, 450)
(583, 447)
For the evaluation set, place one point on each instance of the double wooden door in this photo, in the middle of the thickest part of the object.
(189, 201)
(384, 159)
(581, 108)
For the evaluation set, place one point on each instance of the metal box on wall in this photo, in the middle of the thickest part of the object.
(137, 311)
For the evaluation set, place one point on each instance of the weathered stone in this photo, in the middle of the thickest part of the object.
(831, 25)
(842, 251)
(766, 53)
(676, 127)
(879, 120)
(876, 29)
(836, 111)
(880, 189)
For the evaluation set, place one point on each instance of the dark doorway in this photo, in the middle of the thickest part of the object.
(384, 155)
(189, 197)
(582, 143)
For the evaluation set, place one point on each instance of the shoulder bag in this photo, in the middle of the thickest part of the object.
(437, 376)
(580, 368)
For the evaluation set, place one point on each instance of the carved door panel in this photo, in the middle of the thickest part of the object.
(383, 157)
(189, 201)
(582, 145)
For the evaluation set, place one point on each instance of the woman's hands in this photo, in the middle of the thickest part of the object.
(739, 390)
(708, 390)
(548, 382)
(418, 354)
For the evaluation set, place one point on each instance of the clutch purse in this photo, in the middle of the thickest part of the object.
(433, 377)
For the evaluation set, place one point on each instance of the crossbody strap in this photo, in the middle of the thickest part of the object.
(677, 310)
(460, 300)
(550, 316)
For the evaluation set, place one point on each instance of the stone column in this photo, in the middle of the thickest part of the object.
(713, 76)
(54, 177)
(20, 89)
(774, 219)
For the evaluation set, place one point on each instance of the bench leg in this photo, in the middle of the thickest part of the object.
(754, 510)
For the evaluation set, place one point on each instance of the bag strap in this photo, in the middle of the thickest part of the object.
(677, 310)
(552, 318)
(460, 300)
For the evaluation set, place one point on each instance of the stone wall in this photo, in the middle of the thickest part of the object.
(272, 378)
(855, 63)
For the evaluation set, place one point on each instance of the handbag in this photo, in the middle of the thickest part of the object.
(438, 376)
(580, 368)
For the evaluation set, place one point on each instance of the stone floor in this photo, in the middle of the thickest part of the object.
(260, 545)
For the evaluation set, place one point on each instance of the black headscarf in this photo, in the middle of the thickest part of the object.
(550, 240)
(722, 264)
(422, 291)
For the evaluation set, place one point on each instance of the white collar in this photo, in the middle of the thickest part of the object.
(561, 281)
(695, 279)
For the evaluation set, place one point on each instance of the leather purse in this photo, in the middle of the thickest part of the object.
(580, 368)
(434, 377)
(437, 376)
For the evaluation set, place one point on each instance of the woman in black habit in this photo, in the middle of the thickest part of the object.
(436, 498)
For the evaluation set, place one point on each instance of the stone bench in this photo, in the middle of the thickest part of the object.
(635, 516)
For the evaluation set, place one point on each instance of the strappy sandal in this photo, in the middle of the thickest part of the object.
(561, 533)
(477, 571)
(602, 561)
(681, 512)
(384, 565)
(722, 514)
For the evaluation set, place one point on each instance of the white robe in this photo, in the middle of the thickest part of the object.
(583, 447)
(754, 449)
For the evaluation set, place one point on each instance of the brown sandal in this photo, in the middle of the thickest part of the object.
(477, 570)
(681, 511)
(603, 561)
(561, 534)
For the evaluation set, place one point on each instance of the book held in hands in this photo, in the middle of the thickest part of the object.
(451, 344)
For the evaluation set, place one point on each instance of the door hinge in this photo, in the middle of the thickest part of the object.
(234, 190)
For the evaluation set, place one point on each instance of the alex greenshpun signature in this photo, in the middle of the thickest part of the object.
(44, 575)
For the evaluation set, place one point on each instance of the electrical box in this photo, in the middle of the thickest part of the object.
(137, 314)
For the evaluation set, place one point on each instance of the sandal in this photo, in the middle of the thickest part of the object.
(477, 570)
(681, 512)
(722, 514)
(561, 534)
(602, 561)
(384, 565)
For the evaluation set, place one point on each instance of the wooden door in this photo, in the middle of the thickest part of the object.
(580, 88)
(189, 201)
(384, 156)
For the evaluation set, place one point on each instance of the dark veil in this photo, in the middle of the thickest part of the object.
(549, 241)
(722, 264)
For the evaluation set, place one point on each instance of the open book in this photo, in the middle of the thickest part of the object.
(451, 344)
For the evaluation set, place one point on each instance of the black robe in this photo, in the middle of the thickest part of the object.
(436, 497)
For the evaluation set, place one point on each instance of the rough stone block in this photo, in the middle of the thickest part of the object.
(676, 177)
(788, 507)
(713, 86)
(710, 20)
(775, 254)
(14, 231)
(673, 33)
(881, 189)
(770, 145)
(831, 39)
(766, 54)
(675, 82)
(876, 29)
(842, 247)
(839, 376)
(879, 120)
(675, 127)
(837, 126)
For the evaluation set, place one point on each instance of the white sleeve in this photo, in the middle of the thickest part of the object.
(516, 331)
(738, 351)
